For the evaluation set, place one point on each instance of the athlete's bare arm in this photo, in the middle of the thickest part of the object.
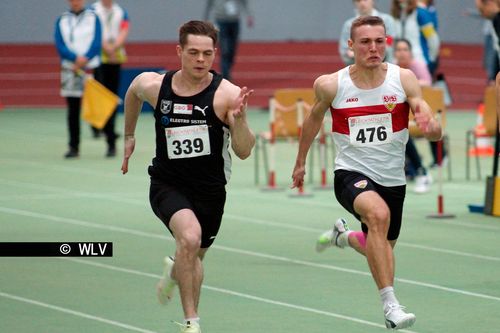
(230, 104)
(325, 89)
(426, 122)
(144, 88)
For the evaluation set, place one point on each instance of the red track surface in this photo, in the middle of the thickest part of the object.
(29, 74)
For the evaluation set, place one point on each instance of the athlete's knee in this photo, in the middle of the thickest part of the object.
(378, 219)
(189, 242)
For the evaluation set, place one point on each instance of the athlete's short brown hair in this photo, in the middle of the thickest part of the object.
(200, 28)
(366, 20)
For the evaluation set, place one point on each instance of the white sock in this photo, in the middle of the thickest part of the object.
(343, 239)
(192, 320)
(387, 296)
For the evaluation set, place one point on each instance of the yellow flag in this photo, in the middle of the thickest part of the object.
(98, 103)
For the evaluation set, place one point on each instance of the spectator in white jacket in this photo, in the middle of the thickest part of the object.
(78, 42)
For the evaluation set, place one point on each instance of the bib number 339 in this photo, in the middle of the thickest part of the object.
(187, 141)
(370, 130)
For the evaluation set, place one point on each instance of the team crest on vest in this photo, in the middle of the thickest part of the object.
(361, 183)
(390, 102)
(165, 106)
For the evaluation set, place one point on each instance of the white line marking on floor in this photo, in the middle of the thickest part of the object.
(75, 313)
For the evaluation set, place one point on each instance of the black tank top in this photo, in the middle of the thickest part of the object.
(191, 141)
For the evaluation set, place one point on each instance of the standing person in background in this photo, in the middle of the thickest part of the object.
(490, 9)
(78, 42)
(365, 8)
(370, 103)
(404, 59)
(227, 15)
(429, 6)
(490, 57)
(115, 28)
(416, 24)
(196, 113)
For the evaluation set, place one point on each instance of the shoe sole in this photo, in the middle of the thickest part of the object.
(404, 324)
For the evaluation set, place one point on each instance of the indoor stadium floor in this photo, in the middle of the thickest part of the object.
(261, 275)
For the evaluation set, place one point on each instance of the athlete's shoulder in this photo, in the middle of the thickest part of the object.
(326, 80)
(150, 78)
(325, 87)
(147, 84)
(406, 75)
(228, 90)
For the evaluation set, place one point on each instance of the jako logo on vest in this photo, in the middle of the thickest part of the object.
(351, 100)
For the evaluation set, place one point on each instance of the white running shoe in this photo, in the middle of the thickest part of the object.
(422, 184)
(396, 318)
(330, 237)
(191, 327)
(166, 286)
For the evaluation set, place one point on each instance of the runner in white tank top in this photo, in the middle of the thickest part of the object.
(369, 103)
(370, 127)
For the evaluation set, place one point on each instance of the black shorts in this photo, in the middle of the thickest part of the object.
(346, 192)
(166, 200)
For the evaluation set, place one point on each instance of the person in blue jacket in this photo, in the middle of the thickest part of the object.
(78, 42)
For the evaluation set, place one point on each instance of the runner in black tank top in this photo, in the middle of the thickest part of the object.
(191, 141)
(195, 113)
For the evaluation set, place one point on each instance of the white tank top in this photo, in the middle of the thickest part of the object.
(370, 128)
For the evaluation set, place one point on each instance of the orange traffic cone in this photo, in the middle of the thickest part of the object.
(484, 144)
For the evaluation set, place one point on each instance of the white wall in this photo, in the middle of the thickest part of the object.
(23, 21)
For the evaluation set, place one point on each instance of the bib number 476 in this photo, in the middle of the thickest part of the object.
(371, 134)
(370, 130)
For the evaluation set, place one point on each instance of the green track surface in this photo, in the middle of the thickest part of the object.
(261, 275)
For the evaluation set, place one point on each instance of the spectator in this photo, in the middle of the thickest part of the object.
(78, 42)
(115, 28)
(416, 24)
(227, 18)
(404, 58)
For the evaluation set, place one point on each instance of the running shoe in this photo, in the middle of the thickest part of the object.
(331, 237)
(396, 318)
(422, 184)
(166, 286)
(190, 327)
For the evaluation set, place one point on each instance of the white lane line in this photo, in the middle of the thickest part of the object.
(318, 231)
(74, 313)
(255, 196)
(238, 294)
(240, 251)
(140, 202)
